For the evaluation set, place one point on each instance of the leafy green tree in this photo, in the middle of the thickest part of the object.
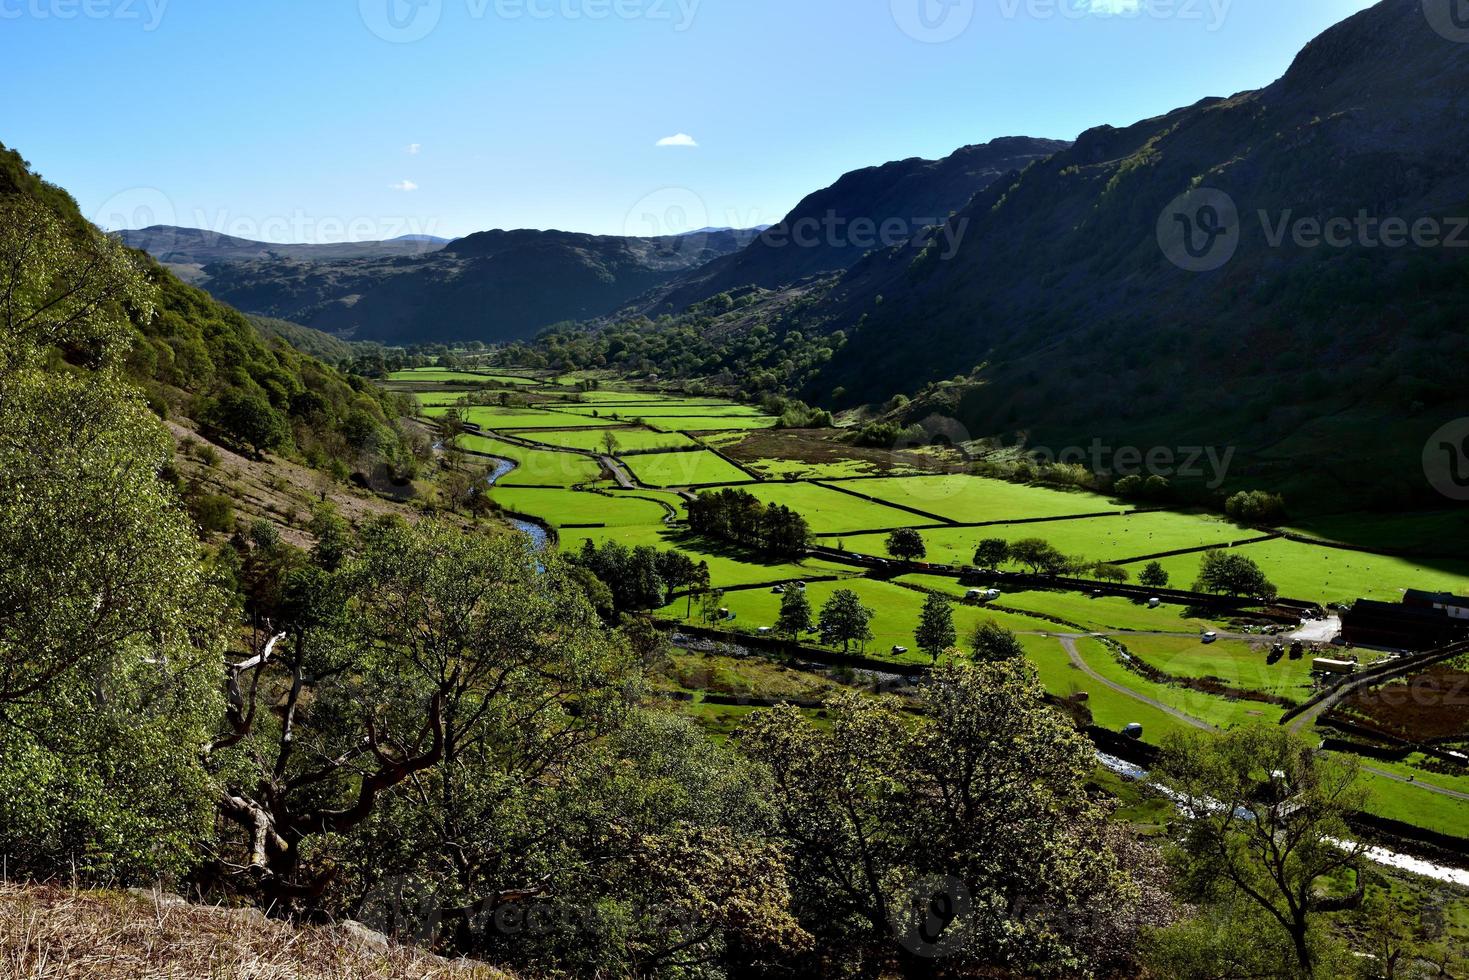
(109, 625)
(906, 544)
(1265, 824)
(1107, 572)
(1154, 576)
(993, 643)
(1040, 556)
(845, 620)
(1231, 573)
(248, 420)
(992, 553)
(795, 613)
(962, 835)
(936, 632)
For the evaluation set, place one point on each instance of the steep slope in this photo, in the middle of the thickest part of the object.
(1317, 363)
(878, 207)
(491, 286)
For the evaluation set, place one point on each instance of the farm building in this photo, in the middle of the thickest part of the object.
(1402, 626)
(1457, 606)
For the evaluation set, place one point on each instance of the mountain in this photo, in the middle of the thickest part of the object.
(1063, 310)
(197, 246)
(490, 286)
(833, 228)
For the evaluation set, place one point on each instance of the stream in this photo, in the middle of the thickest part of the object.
(1377, 855)
(540, 539)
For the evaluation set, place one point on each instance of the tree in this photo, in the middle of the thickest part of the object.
(1265, 823)
(609, 443)
(248, 420)
(1154, 576)
(993, 643)
(1107, 572)
(992, 553)
(965, 833)
(1231, 573)
(795, 613)
(845, 620)
(906, 544)
(1039, 555)
(711, 605)
(935, 632)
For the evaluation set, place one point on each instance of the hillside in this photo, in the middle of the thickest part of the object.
(1324, 366)
(833, 228)
(491, 286)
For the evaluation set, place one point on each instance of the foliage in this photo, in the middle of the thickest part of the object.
(906, 544)
(795, 613)
(845, 620)
(1154, 576)
(965, 836)
(639, 578)
(774, 530)
(1266, 825)
(1230, 573)
(992, 642)
(936, 632)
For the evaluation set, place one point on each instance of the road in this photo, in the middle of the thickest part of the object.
(1068, 642)
(620, 473)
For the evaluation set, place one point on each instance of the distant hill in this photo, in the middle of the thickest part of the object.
(197, 246)
(490, 286)
(868, 209)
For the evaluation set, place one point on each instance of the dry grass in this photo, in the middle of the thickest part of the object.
(53, 932)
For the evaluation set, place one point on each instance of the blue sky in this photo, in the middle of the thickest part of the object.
(328, 120)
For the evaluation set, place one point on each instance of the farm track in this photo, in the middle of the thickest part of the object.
(1068, 643)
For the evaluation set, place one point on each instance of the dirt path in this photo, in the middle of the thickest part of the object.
(1069, 644)
(620, 473)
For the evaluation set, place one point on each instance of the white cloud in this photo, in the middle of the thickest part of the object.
(679, 139)
(406, 185)
(1110, 7)
(413, 149)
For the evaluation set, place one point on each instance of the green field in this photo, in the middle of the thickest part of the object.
(1303, 571)
(1110, 709)
(974, 499)
(1102, 539)
(561, 507)
(443, 376)
(535, 467)
(1106, 613)
(684, 469)
(628, 439)
(665, 409)
(710, 423)
(1217, 711)
(507, 419)
(896, 612)
(728, 567)
(830, 511)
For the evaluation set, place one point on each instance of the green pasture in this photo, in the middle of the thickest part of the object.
(1096, 539)
(444, 376)
(1304, 571)
(662, 409)
(1106, 613)
(1415, 805)
(830, 511)
(727, 566)
(1217, 711)
(536, 467)
(683, 469)
(1110, 709)
(711, 423)
(974, 499)
(561, 507)
(896, 614)
(628, 439)
(779, 469)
